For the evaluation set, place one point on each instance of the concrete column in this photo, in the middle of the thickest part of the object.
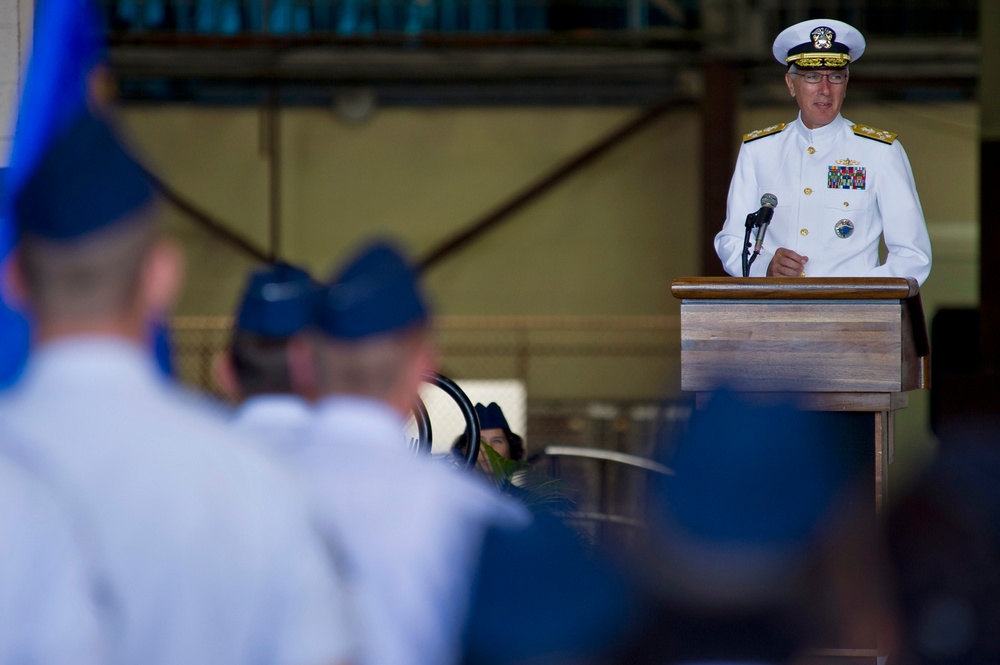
(15, 38)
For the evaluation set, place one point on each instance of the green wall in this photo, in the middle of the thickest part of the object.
(606, 242)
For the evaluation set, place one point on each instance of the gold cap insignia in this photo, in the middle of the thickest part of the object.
(822, 37)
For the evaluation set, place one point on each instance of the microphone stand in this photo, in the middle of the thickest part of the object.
(748, 260)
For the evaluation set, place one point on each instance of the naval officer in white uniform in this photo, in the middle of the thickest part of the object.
(840, 186)
(204, 549)
(268, 336)
(410, 529)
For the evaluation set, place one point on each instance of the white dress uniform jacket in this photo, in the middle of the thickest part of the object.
(411, 529)
(47, 610)
(838, 191)
(205, 550)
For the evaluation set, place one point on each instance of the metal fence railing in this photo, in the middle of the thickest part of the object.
(590, 380)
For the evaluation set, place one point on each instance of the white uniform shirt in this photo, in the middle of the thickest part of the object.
(47, 610)
(411, 529)
(276, 422)
(824, 177)
(205, 548)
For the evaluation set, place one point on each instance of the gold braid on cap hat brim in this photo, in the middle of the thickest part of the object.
(819, 60)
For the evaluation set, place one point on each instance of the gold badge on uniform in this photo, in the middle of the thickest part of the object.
(844, 228)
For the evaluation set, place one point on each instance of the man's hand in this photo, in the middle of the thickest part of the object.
(787, 263)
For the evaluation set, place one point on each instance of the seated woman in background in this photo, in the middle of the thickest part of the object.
(494, 432)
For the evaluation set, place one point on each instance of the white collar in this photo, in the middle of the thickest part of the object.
(277, 404)
(346, 414)
(91, 358)
(820, 134)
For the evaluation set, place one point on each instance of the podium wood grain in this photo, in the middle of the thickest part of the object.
(800, 335)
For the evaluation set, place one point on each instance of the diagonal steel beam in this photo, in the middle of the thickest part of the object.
(533, 191)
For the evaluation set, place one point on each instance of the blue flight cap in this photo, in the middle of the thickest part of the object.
(491, 417)
(278, 301)
(375, 293)
(85, 181)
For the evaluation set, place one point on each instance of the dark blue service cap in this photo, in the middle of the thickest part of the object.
(278, 301)
(819, 43)
(377, 292)
(85, 181)
(491, 417)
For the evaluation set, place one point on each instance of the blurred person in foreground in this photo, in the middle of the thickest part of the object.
(434, 556)
(543, 596)
(203, 550)
(410, 528)
(758, 549)
(943, 538)
(49, 612)
(268, 336)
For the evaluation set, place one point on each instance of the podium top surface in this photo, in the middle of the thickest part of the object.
(794, 288)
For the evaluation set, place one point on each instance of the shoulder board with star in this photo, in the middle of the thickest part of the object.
(874, 134)
(761, 133)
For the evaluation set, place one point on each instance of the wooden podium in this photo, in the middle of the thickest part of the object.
(835, 344)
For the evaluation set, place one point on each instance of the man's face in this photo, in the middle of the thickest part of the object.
(819, 102)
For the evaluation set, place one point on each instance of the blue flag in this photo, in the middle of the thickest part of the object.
(14, 330)
(67, 46)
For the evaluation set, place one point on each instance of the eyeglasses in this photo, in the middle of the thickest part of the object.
(812, 78)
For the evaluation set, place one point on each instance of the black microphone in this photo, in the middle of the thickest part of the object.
(764, 215)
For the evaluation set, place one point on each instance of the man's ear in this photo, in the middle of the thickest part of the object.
(162, 276)
(427, 358)
(15, 291)
(224, 375)
(302, 367)
(788, 82)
